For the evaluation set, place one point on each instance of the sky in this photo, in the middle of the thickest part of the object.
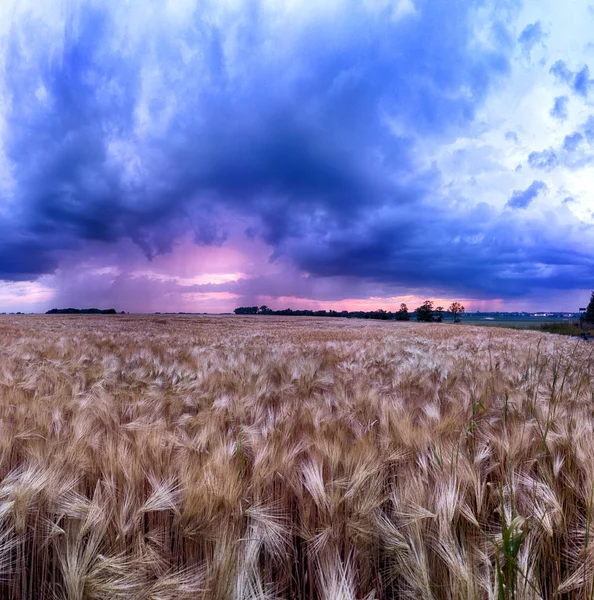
(198, 155)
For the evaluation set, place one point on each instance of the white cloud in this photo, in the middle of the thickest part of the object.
(25, 296)
(522, 104)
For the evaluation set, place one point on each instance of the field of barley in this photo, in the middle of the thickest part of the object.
(223, 458)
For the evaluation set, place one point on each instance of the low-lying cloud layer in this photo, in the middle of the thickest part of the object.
(341, 150)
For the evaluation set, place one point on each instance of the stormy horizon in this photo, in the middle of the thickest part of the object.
(189, 156)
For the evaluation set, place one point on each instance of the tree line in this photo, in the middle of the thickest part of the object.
(426, 313)
(82, 311)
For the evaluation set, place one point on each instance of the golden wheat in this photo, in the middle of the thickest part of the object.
(262, 457)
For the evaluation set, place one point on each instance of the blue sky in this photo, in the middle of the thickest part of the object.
(198, 156)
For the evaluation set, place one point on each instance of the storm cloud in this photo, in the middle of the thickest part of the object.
(300, 127)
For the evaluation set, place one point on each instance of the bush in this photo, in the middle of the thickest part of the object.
(560, 328)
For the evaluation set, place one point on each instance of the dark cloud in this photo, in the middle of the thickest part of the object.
(484, 251)
(24, 257)
(294, 143)
(304, 133)
(559, 110)
(523, 198)
(545, 160)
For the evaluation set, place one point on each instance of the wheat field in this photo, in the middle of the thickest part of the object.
(184, 457)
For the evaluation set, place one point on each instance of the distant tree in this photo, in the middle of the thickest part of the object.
(456, 309)
(246, 310)
(403, 314)
(425, 312)
(588, 316)
(264, 310)
(81, 311)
